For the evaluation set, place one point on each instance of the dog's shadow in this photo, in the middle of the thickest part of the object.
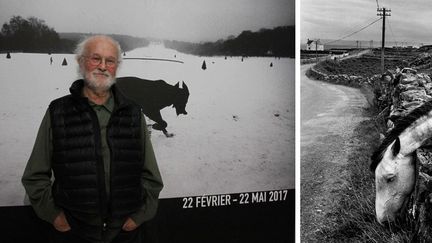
(153, 96)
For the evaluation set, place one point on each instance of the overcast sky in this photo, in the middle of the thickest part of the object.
(187, 20)
(410, 20)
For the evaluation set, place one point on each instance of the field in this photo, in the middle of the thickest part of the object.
(369, 64)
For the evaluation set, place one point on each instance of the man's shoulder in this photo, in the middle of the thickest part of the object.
(74, 89)
(60, 100)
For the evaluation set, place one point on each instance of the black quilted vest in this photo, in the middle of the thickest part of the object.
(79, 184)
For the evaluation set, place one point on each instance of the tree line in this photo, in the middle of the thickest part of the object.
(35, 36)
(278, 42)
(31, 35)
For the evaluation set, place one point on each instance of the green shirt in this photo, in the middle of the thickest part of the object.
(37, 177)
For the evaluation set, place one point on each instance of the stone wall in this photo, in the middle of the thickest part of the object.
(353, 81)
(420, 204)
(404, 93)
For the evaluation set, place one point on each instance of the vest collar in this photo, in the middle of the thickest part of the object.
(119, 98)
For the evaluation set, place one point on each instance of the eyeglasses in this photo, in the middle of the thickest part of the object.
(96, 60)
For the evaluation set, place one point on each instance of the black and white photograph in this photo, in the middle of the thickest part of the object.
(365, 94)
(206, 87)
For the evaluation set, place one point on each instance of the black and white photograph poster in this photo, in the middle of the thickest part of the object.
(365, 105)
(220, 78)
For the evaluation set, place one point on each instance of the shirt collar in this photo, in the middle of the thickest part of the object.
(109, 104)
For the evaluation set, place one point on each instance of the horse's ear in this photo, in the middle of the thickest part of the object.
(185, 87)
(177, 85)
(396, 147)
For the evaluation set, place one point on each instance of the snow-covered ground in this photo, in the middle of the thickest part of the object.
(238, 135)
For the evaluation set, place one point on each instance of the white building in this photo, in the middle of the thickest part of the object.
(314, 45)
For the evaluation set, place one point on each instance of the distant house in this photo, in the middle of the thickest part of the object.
(314, 45)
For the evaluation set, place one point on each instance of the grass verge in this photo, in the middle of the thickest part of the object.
(355, 216)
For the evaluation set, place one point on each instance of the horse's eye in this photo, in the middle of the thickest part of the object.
(390, 179)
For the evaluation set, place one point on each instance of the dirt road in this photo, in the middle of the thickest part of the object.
(329, 114)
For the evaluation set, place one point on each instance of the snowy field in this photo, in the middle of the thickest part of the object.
(238, 135)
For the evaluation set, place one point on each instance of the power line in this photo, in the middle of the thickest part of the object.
(355, 32)
(391, 30)
(356, 27)
(377, 4)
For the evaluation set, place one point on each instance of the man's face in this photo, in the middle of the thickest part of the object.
(99, 64)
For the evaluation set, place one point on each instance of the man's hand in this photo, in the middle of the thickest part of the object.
(60, 223)
(129, 225)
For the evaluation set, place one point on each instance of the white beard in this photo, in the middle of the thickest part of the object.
(98, 83)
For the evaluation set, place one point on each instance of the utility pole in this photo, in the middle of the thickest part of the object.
(383, 12)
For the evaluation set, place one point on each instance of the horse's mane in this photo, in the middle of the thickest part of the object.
(400, 125)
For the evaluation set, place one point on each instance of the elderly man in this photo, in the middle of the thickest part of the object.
(95, 145)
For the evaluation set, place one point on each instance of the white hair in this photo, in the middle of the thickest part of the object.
(81, 46)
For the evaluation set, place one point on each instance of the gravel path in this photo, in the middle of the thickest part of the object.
(329, 114)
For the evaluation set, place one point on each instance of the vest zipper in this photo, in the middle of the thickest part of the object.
(109, 142)
(100, 166)
(108, 133)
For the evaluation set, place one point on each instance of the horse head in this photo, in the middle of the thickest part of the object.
(394, 161)
(394, 181)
